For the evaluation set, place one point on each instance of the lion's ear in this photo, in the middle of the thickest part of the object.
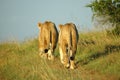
(39, 25)
(60, 26)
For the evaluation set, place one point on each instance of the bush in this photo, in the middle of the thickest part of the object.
(115, 31)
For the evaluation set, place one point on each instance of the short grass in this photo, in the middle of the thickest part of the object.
(97, 58)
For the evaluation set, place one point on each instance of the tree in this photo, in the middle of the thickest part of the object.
(105, 11)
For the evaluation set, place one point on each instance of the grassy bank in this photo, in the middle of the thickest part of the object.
(97, 58)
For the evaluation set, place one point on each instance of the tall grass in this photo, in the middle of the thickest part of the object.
(97, 58)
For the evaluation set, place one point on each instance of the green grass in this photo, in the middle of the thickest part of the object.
(97, 58)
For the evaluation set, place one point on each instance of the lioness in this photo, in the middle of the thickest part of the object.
(48, 36)
(68, 38)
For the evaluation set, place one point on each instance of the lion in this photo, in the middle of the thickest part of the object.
(48, 37)
(68, 38)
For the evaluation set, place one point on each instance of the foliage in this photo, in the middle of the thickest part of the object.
(107, 11)
(115, 31)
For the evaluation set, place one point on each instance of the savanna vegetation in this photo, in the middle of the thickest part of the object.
(107, 12)
(97, 58)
